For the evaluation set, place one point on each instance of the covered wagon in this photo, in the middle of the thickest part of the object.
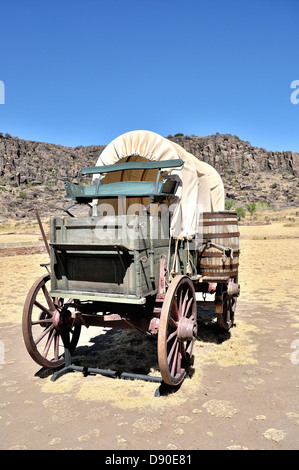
(155, 243)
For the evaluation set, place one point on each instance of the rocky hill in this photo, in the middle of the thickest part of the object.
(250, 174)
(32, 173)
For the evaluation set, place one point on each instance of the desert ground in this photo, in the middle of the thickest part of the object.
(242, 393)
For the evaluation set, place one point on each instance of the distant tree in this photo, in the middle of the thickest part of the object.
(262, 206)
(240, 212)
(229, 203)
(251, 207)
(179, 135)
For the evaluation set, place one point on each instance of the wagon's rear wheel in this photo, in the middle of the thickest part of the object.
(177, 330)
(46, 321)
(225, 319)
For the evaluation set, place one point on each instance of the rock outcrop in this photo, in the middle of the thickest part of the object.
(32, 174)
(250, 174)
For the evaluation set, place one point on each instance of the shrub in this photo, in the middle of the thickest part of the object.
(240, 212)
(262, 205)
(251, 207)
(229, 203)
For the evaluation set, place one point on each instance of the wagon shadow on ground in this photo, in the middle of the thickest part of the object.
(208, 330)
(133, 352)
(119, 350)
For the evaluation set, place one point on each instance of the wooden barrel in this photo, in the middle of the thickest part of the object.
(219, 253)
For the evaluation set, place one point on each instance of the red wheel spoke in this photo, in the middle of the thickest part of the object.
(170, 354)
(45, 332)
(48, 344)
(41, 321)
(179, 361)
(48, 298)
(181, 301)
(41, 307)
(175, 310)
(175, 359)
(184, 304)
(183, 351)
(189, 348)
(188, 306)
(172, 322)
(227, 310)
(171, 336)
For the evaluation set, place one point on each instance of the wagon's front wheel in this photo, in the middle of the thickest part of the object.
(46, 321)
(177, 330)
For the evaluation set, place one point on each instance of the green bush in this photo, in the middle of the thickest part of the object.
(240, 212)
(251, 207)
(262, 205)
(22, 195)
(229, 203)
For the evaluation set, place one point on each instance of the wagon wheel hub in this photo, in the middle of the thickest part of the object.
(61, 319)
(187, 329)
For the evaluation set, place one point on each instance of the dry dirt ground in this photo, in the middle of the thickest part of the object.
(243, 392)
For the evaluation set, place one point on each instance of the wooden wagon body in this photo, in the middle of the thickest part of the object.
(128, 270)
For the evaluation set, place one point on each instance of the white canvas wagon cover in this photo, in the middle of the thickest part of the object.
(201, 187)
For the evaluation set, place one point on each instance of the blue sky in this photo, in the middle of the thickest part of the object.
(82, 72)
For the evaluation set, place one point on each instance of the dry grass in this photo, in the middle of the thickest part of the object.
(17, 274)
(269, 263)
(269, 270)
